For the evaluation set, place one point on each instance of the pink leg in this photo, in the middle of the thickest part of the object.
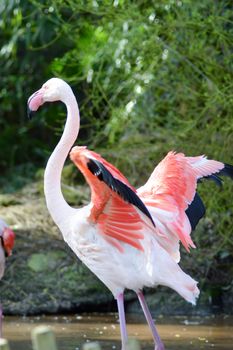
(158, 342)
(1, 321)
(121, 312)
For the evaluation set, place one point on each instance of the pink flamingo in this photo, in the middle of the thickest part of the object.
(129, 238)
(7, 238)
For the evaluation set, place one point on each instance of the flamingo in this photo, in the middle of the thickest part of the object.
(129, 238)
(7, 238)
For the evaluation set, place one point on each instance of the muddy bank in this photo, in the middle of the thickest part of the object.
(44, 276)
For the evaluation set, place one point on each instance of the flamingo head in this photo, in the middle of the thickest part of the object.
(7, 238)
(54, 89)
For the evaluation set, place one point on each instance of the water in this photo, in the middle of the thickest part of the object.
(179, 333)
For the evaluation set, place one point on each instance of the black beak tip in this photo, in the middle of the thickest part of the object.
(30, 113)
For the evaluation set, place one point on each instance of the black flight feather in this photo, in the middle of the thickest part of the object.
(195, 211)
(226, 171)
(214, 177)
(125, 192)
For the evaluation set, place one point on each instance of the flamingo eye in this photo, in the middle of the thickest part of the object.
(45, 87)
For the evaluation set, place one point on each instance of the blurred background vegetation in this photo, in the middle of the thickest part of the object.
(149, 76)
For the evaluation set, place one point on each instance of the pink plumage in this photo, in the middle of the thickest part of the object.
(170, 190)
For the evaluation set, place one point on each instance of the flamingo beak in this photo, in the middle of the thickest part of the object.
(34, 102)
(30, 113)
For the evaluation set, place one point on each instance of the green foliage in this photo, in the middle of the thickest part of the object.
(156, 74)
(149, 76)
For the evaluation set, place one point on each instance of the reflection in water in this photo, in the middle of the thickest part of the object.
(177, 333)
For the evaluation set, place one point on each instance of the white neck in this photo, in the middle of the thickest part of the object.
(57, 206)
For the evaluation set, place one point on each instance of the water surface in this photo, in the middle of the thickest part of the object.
(179, 333)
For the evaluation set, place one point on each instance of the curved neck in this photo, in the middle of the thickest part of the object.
(57, 206)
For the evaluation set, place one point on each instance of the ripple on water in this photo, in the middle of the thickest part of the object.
(178, 333)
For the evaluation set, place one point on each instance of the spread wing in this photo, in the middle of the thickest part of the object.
(118, 212)
(170, 196)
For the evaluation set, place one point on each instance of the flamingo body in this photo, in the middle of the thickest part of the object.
(2, 261)
(7, 238)
(112, 227)
(129, 238)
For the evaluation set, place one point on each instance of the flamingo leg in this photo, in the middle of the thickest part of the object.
(121, 312)
(158, 342)
(1, 315)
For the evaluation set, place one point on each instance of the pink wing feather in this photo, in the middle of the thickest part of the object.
(168, 193)
(118, 221)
